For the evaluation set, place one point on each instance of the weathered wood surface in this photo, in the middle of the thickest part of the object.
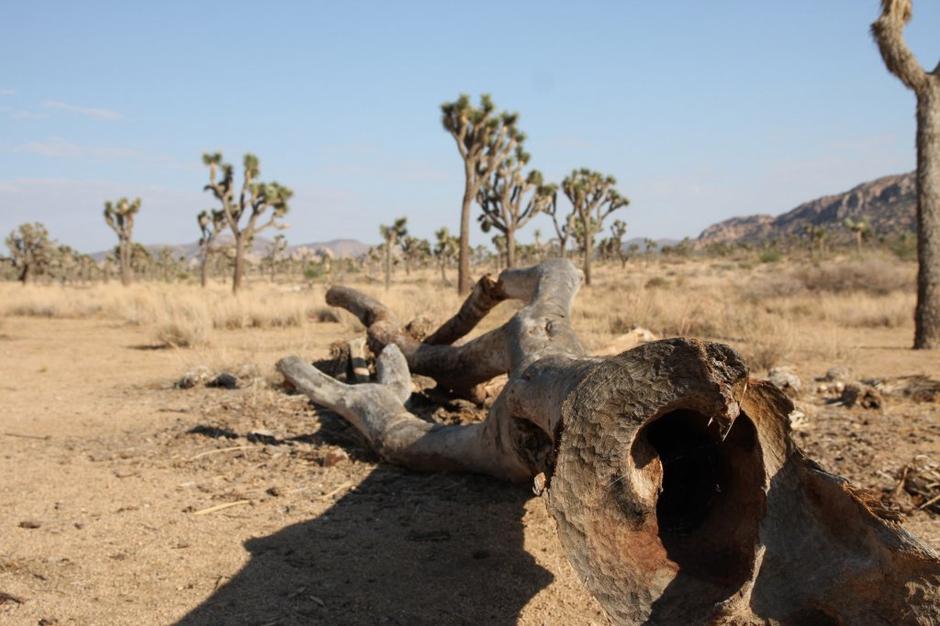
(678, 493)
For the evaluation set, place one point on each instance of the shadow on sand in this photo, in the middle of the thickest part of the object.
(401, 549)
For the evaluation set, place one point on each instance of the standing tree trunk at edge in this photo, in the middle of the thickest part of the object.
(678, 494)
(888, 31)
(927, 314)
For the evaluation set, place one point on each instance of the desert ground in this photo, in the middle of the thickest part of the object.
(130, 500)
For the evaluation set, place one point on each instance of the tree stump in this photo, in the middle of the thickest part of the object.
(678, 494)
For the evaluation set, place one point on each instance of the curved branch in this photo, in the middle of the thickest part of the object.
(484, 296)
(888, 32)
(398, 436)
(549, 288)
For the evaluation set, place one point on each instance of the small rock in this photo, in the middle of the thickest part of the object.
(30, 523)
(193, 377)
(863, 395)
(839, 373)
(786, 380)
(273, 491)
(223, 381)
(334, 457)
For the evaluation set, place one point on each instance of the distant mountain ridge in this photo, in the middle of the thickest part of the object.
(888, 204)
(338, 248)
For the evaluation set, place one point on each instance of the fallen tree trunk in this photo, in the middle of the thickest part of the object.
(677, 491)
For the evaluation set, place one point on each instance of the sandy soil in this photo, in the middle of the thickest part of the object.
(108, 472)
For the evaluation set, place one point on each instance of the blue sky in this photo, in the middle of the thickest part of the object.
(702, 110)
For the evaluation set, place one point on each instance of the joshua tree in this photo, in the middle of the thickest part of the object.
(211, 223)
(254, 200)
(593, 198)
(617, 230)
(139, 259)
(392, 236)
(860, 230)
(564, 227)
(445, 249)
(900, 61)
(273, 253)
(120, 217)
(30, 250)
(414, 251)
(510, 199)
(484, 139)
(816, 236)
(168, 263)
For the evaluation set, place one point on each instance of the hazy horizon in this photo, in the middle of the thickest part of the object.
(702, 112)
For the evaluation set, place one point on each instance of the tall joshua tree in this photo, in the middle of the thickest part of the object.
(445, 249)
(211, 223)
(510, 199)
(392, 235)
(254, 200)
(888, 32)
(30, 250)
(120, 217)
(593, 197)
(484, 139)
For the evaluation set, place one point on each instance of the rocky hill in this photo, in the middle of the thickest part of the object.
(887, 204)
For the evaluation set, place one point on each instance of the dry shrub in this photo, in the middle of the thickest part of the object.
(875, 274)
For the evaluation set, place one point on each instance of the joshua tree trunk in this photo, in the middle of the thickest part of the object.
(927, 314)
(510, 248)
(588, 253)
(463, 262)
(888, 31)
(678, 495)
(26, 276)
(124, 255)
(239, 262)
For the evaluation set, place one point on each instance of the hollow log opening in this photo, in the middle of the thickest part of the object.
(711, 495)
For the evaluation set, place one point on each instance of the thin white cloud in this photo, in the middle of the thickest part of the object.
(93, 112)
(60, 148)
(7, 92)
(24, 114)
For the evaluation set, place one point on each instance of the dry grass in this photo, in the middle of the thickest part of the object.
(770, 312)
(181, 315)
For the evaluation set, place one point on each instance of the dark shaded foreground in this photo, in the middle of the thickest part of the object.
(401, 549)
